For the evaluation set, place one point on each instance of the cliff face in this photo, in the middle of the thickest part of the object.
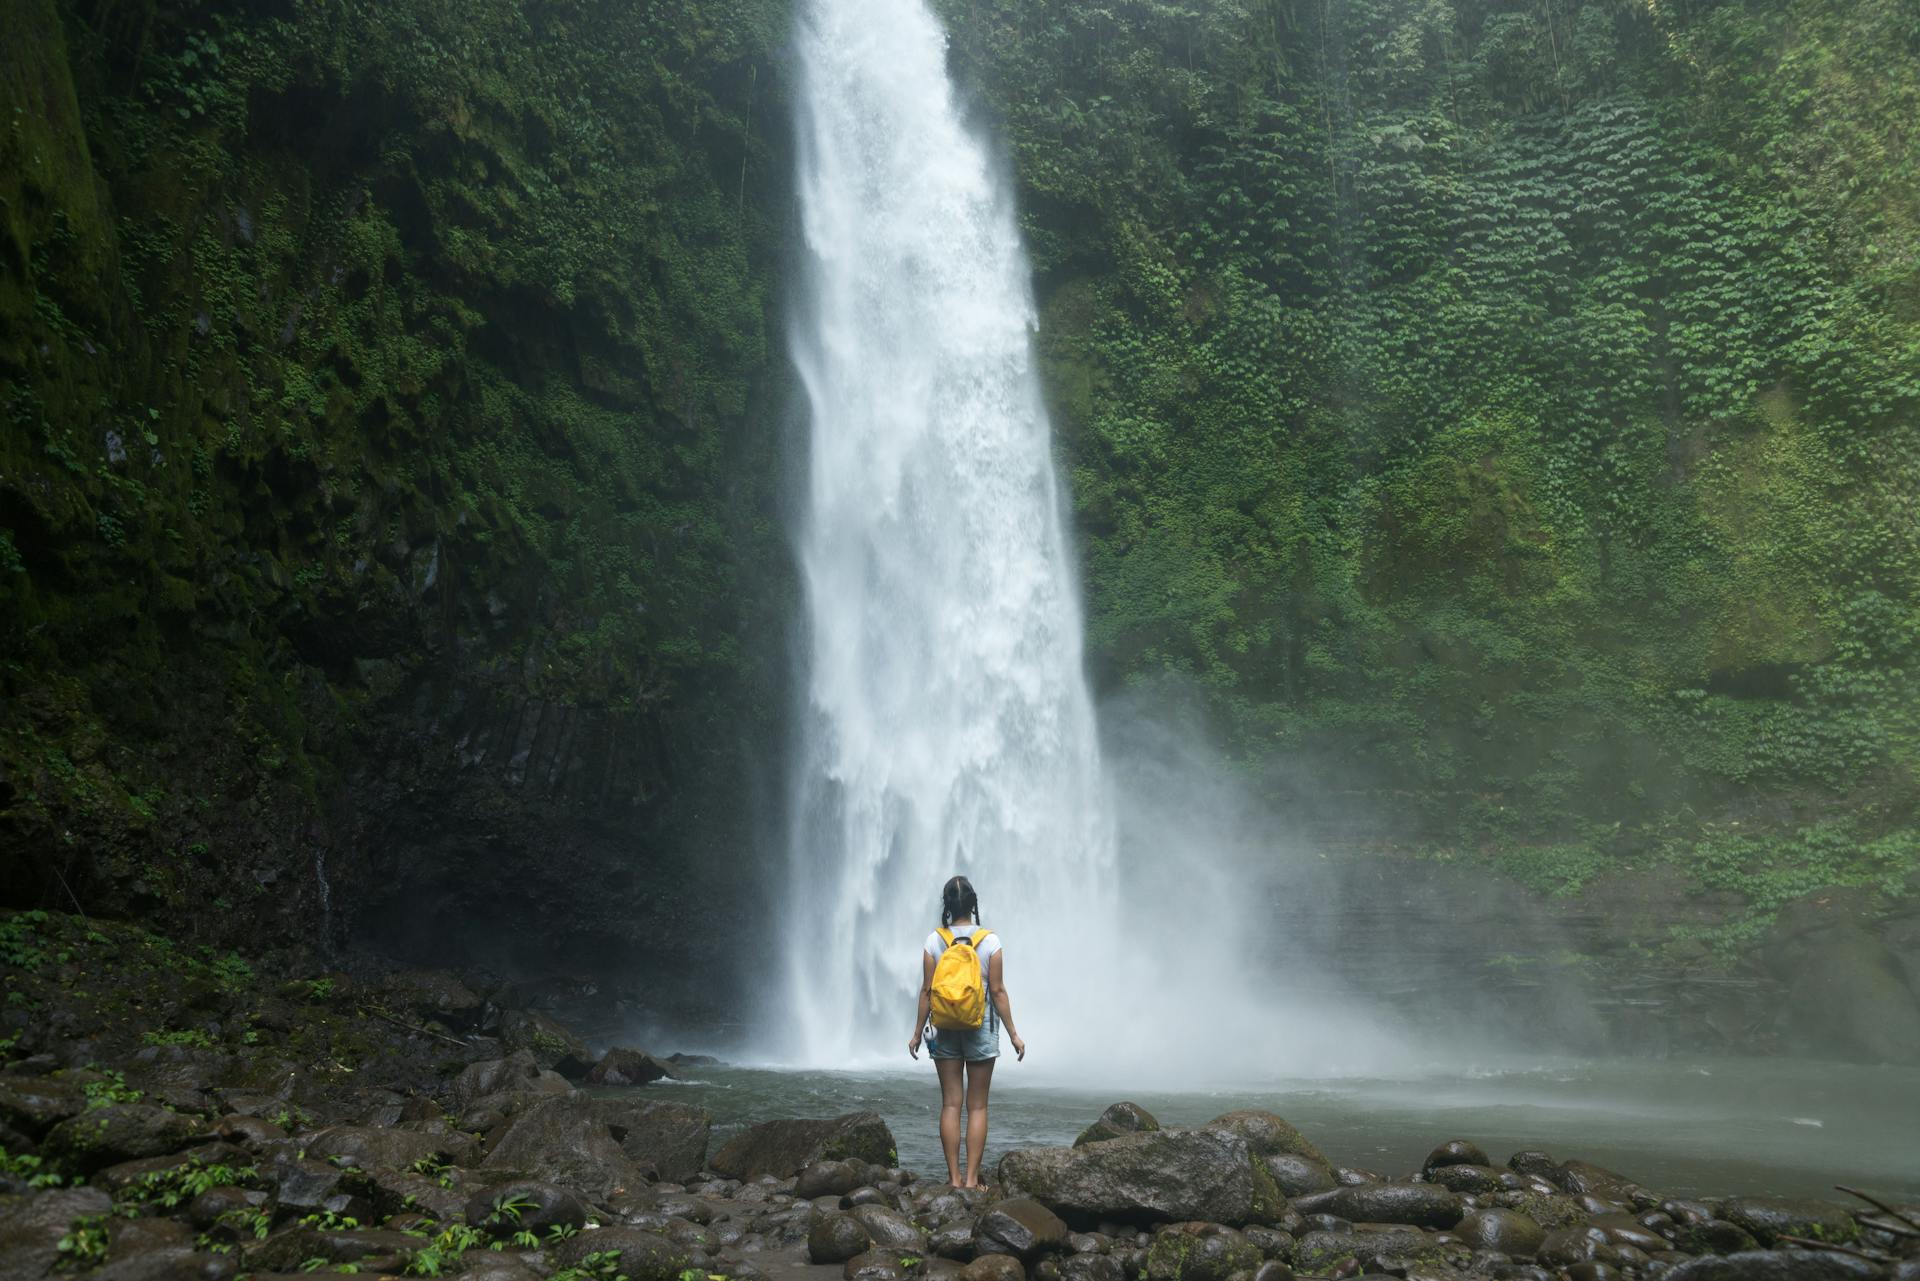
(387, 481)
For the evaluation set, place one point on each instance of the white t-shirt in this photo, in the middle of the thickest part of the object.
(936, 945)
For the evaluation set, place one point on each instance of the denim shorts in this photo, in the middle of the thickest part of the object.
(972, 1044)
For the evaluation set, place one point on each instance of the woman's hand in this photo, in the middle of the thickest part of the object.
(1019, 1046)
(913, 1046)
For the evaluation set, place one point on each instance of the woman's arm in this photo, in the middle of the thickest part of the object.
(926, 1004)
(996, 985)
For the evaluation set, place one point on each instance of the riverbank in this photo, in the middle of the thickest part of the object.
(168, 1112)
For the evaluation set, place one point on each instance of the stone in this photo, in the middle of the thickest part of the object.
(1299, 1175)
(371, 1148)
(1118, 1119)
(668, 1138)
(550, 1042)
(1775, 1265)
(1455, 1152)
(1847, 995)
(1318, 1252)
(493, 1076)
(994, 1267)
(1583, 1178)
(1266, 1133)
(1420, 1205)
(525, 1205)
(287, 1251)
(35, 1104)
(31, 1227)
(1534, 1162)
(1173, 1175)
(169, 1263)
(305, 1186)
(563, 1140)
(437, 995)
(1019, 1226)
(120, 1132)
(875, 1265)
(835, 1238)
(1716, 1236)
(784, 1148)
(890, 1229)
(1473, 1180)
(1091, 1267)
(625, 1066)
(642, 1255)
(829, 1178)
(955, 1241)
(1770, 1218)
(1273, 1270)
(1200, 1252)
(1507, 1231)
(1564, 1247)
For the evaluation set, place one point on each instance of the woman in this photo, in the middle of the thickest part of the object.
(970, 1052)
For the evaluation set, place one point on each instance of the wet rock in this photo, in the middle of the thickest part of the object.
(494, 1076)
(994, 1267)
(1776, 1265)
(437, 995)
(1091, 1267)
(525, 1205)
(1118, 1119)
(1200, 1252)
(955, 1241)
(491, 1265)
(33, 1105)
(680, 1205)
(642, 1255)
(173, 1263)
(829, 1178)
(31, 1227)
(1770, 1218)
(1420, 1205)
(784, 1148)
(1716, 1236)
(890, 1229)
(303, 1186)
(835, 1238)
(1594, 1271)
(1564, 1247)
(1455, 1152)
(550, 1042)
(1846, 994)
(875, 1265)
(289, 1251)
(1507, 1231)
(1473, 1180)
(1019, 1226)
(563, 1140)
(668, 1138)
(370, 1148)
(1299, 1175)
(1583, 1178)
(1625, 1230)
(863, 1196)
(1318, 1252)
(1266, 1133)
(1534, 1162)
(210, 1207)
(1206, 1175)
(1273, 1270)
(120, 1132)
(625, 1066)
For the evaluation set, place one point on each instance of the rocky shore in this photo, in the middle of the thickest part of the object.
(175, 1115)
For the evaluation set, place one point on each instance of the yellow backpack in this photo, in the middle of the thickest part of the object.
(959, 993)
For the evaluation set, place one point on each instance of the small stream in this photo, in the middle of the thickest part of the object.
(1684, 1128)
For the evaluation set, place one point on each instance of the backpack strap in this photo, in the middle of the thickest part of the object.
(946, 937)
(980, 936)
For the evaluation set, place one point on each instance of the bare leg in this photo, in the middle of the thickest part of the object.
(950, 1094)
(979, 1081)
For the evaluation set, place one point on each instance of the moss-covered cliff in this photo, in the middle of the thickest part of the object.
(1509, 412)
(386, 479)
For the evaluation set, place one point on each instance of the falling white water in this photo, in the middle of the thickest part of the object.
(948, 726)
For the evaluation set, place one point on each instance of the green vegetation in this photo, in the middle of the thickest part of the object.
(1505, 412)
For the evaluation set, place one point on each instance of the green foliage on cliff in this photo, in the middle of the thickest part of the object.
(1506, 409)
(362, 356)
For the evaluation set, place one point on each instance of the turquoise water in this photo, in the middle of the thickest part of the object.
(1685, 1128)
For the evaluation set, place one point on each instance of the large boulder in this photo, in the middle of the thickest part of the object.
(525, 1205)
(643, 1255)
(1266, 1133)
(1118, 1119)
(563, 1140)
(1508, 1231)
(120, 1132)
(436, 994)
(835, 1238)
(784, 1148)
(623, 1066)
(35, 1104)
(1300, 1175)
(668, 1138)
(1177, 1175)
(31, 1227)
(1200, 1252)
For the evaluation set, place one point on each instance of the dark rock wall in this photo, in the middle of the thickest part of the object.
(388, 543)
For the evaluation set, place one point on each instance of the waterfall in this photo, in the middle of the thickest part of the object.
(948, 726)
